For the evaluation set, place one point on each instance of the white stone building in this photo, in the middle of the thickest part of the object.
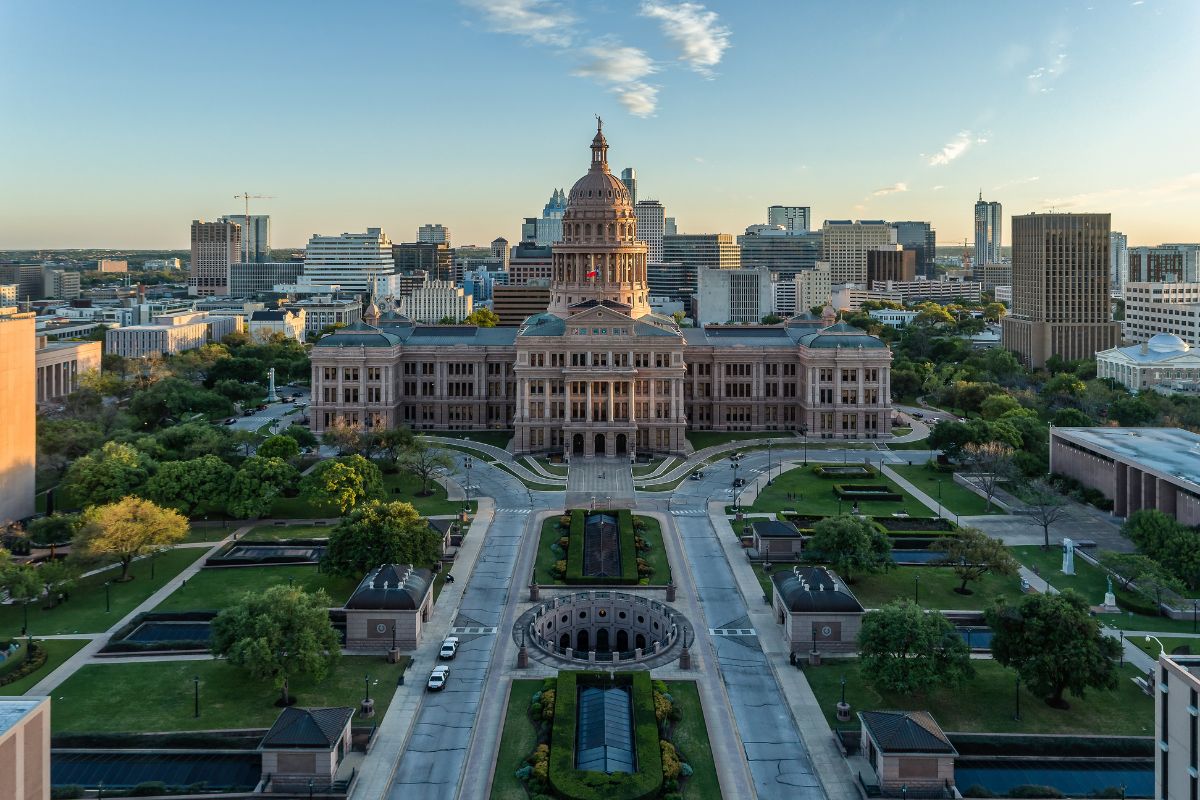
(1166, 363)
(1154, 308)
(435, 301)
(348, 260)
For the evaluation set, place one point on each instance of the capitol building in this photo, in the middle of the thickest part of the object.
(598, 373)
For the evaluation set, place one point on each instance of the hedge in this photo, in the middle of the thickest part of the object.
(845, 471)
(575, 784)
(1051, 746)
(925, 525)
(866, 491)
(29, 662)
(626, 536)
(116, 643)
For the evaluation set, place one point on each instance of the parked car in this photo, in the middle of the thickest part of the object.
(249, 412)
(918, 415)
(231, 420)
(449, 647)
(697, 475)
(735, 456)
(739, 481)
(437, 678)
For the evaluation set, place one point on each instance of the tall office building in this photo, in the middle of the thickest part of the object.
(348, 260)
(921, 238)
(792, 218)
(651, 217)
(1061, 305)
(779, 250)
(684, 255)
(1191, 259)
(256, 236)
(500, 251)
(436, 259)
(547, 229)
(433, 233)
(629, 178)
(1161, 264)
(845, 244)
(59, 284)
(248, 278)
(26, 277)
(669, 227)
(735, 296)
(988, 236)
(891, 263)
(215, 246)
(1118, 246)
(18, 387)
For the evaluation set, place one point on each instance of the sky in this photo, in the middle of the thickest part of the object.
(121, 121)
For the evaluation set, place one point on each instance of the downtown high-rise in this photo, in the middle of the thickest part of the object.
(349, 260)
(988, 237)
(845, 244)
(256, 236)
(921, 238)
(215, 246)
(796, 219)
(651, 221)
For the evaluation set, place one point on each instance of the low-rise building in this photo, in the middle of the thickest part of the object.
(25, 748)
(1176, 727)
(818, 611)
(909, 753)
(322, 311)
(138, 341)
(893, 317)
(266, 323)
(117, 265)
(60, 284)
(776, 541)
(1164, 364)
(514, 304)
(389, 608)
(435, 301)
(304, 748)
(59, 365)
(1154, 308)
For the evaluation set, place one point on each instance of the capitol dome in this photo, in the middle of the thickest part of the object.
(1167, 343)
(598, 187)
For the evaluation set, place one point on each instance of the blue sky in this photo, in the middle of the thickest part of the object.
(126, 119)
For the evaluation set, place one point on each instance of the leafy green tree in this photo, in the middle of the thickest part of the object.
(54, 530)
(245, 442)
(303, 436)
(56, 576)
(392, 442)
(341, 484)
(189, 485)
(108, 474)
(170, 398)
(346, 438)
(997, 406)
(1140, 573)
(128, 528)
(192, 440)
(932, 314)
(908, 650)
(1166, 541)
(1055, 645)
(852, 545)
(483, 317)
(61, 441)
(994, 312)
(376, 533)
(238, 392)
(424, 461)
(256, 484)
(971, 553)
(281, 447)
(280, 633)
(193, 365)
(950, 437)
(771, 319)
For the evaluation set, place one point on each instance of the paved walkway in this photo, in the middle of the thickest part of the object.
(605, 481)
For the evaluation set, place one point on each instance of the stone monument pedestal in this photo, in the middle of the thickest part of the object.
(523, 658)
(814, 658)
(843, 712)
(1110, 604)
(367, 708)
(685, 659)
(393, 655)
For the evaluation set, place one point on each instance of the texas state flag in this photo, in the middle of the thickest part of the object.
(592, 274)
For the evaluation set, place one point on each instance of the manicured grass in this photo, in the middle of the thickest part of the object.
(470, 450)
(207, 533)
(703, 439)
(901, 431)
(554, 469)
(283, 532)
(299, 508)
(84, 611)
(936, 590)
(815, 496)
(531, 485)
(690, 737)
(1169, 642)
(986, 703)
(642, 470)
(407, 487)
(57, 651)
(217, 588)
(656, 556)
(543, 565)
(919, 444)
(158, 696)
(516, 742)
(955, 498)
(495, 438)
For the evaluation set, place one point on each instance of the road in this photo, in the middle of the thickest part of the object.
(274, 412)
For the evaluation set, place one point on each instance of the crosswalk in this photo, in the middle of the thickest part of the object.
(513, 510)
(732, 632)
(688, 512)
(475, 631)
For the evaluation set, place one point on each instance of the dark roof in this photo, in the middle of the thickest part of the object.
(392, 587)
(771, 527)
(318, 728)
(441, 525)
(613, 304)
(544, 324)
(814, 590)
(906, 732)
(269, 316)
(841, 335)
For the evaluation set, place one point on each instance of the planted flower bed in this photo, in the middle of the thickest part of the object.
(845, 471)
(866, 491)
(925, 525)
(803, 522)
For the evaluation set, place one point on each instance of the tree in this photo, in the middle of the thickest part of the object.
(108, 474)
(852, 545)
(997, 405)
(950, 437)
(303, 436)
(971, 553)
(56, 529)
(391, 442)
(1072, 418)
(105, 384)
(192, 440)
(989, 463)
(346, 438)
(772, 319)
(245, 442)
(277, 634)
(1171, 544)
(282, 447)
(341, 484)
(906, 649)
(1055, 644)
(483, 317)
(1140, 573)
(188, 485)
(994, 312)
(129, 528)
(1045, 506)
(56, 576)
(424, 461)
(256, 485)
(169, 398)
(61, 441)
(376, 533)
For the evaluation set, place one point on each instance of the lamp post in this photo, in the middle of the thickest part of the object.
(25, 621)
(393, 636)
(107, 598)
(804, 436)
(1122, 648)
(366, 689)
(939, 497)
(917, 588)
(904, 792)
(1017, 700)
(467, 463)
(196, 696)
(1194, 616)
(843, 688)
(769, 462)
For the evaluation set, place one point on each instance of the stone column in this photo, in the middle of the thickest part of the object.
(611, 392)
(546, 403)
(632, 401)
(653, 412)
(566, 400)
(526, 385)
(589, 400)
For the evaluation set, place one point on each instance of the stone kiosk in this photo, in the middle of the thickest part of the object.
(819, 614)
(777, 541)
(305, 744)
(908, 751)
(388, 609)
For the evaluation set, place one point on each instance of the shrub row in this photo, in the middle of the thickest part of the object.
(14, 668)
(845, 471)
(866, 491)
(628, 545)
(576, 784)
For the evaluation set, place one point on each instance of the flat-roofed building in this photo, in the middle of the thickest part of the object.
(59, 365)
(60, 284)
(18, 423)
(891, 263)
(323, 311)
(530, 262)
(734, 295)
(845, 244)
(1176, 726)
(25, 748)
(1156, 264)
(27, 277)
(117, 265)
(1154, 308)
(138, 341)
(268, 322)
(514, 304)
(247, 279)
(435, 301)
(215, 246)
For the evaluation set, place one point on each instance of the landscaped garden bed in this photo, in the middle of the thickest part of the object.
(632, 552)
(908, 525)
(933, 588)
(866, 491)
(844, 471)
(156, 632)
(57, 651)
(803, 522)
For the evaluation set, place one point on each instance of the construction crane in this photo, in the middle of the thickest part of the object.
(246, 196)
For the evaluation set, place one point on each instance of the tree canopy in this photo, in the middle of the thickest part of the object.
(971, 553)
(907, 649)
(376, 533)
(191, 485)
(107, 475)
(129, 528)
(256, 484)
(424, 461)
(851, 545)
(285, 448)
(341, 484)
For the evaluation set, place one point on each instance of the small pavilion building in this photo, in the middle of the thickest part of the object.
(392, 603)
(818, 611)
(908, 751)
(305, 744)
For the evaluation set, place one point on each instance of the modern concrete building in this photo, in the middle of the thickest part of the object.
(921, 238)
(1136, 468)
(1176, 727)
(514, 304)
(794, 219)
(27, 278)
(1155, 265)
(891, 263)
(268, 322)
(60, 284)
(782, 251)
(215, 246)
(8, 294)
(349, 260)
(434, 233)
(322, 311)
(138, 341)
(25, 748)
(435, 301)
(1166, 363)
(1061, 293)
(1154, 308)
(59, 365)
(651, 217)
(18, 423)
(684, 255)
(845, 244)
(530, 262)
(989, 235)
(993, 275)
(256, 236)
(850, 297)
(629, 179)
(434, 258)
(1118, 251)
(735, 296)
(116, 265)
(247, 279)
(813, 287)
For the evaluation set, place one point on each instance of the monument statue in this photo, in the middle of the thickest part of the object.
(1068, 565)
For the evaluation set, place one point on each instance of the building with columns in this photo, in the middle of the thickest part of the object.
(597, 372)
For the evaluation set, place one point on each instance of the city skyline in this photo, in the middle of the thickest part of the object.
(117, 153)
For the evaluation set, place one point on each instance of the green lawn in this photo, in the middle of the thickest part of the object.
(669, 486)
(403, 486)
(936, 590)
(531, 485)
(298, 508)
(656, 556)
(554, 469)
(815, 496)
(469, 450)
(986, 703)
(543, 565)
(207, 533)
(703, 439)
(690, 737)
(642, 470)
(919, 444)
(495, 438)
(58, 651)
(158, 696)
(217, 588)
(955, 498)
(84, 611)
(516, 742)
(1169, 642)
(282, 532)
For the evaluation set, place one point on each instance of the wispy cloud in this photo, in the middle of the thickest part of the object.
(621, 69)
(639, 99)
(895, 188)
(955, 148)
(697, 32)
(1173, 189)
(1017, 182)
(541, 21)
(938, 188)
(1042, 79)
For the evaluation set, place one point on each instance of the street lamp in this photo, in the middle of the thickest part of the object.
(1017, 698)
(1122, 648)
(366, 689)
(393, 636)
(843, 689)
(939, 497)
(1194, 616)
(196, 696)
(468, 464)
(25, 611)
(804, 436)
(769, 481)
(917, 588)
(107, 598)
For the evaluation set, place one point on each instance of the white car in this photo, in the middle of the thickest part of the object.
(437, 678)
(449, 647)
